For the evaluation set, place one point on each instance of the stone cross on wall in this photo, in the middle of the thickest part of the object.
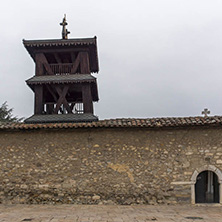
(205, 112)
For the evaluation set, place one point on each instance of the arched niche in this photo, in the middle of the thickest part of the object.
(194, 180)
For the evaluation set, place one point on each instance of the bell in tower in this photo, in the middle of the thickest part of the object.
(63, 85)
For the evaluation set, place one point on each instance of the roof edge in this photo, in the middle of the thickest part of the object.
(62, 41)
(149, 123)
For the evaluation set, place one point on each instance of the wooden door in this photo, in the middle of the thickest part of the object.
(201, 187)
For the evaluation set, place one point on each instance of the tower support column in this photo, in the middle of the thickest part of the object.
(87, 98)
(39, 106)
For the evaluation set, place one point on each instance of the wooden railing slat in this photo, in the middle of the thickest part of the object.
(61, 69)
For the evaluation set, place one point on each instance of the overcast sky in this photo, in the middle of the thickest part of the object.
(157, 58)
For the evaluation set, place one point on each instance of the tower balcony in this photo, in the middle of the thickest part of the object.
(62, 69)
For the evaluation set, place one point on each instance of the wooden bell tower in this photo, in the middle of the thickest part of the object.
(63, 84)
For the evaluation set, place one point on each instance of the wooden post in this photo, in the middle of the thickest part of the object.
(75, 64)
(73, 57)
(39, 106)
(39, 69)
(87, 98)
(49, 108)
(84, 63)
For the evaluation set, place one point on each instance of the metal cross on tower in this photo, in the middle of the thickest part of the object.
(65, 32)
(205, 112)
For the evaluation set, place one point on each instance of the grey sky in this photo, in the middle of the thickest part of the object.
(157, 57)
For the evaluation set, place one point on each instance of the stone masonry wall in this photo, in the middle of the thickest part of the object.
(107, 165)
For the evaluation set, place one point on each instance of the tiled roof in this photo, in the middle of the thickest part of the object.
(61, 118)
(123, 123)
(47, 79)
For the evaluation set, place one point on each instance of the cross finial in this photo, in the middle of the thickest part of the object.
(205, 112)
(65, 32)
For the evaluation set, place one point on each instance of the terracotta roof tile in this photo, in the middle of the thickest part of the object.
(122, 123)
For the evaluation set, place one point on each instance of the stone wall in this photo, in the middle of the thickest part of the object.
(104, 165)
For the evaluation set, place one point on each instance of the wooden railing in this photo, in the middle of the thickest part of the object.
(78, 108)
(61, 69)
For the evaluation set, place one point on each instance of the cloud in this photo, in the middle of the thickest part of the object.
(157, 57)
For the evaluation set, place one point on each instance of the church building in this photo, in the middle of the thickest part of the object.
(63, 153)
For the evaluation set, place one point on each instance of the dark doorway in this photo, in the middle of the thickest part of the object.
(207, 188)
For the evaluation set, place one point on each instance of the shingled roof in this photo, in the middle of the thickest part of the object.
(61, 118)
(123, 123)
(74, 78)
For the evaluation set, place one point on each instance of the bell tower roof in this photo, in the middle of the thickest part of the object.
(65, 46)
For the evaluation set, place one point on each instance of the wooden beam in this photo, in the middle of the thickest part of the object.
(84, 63)
(48, 69)
(39, 70)
(62, 50)
(87, 98)
(39, 106)
(81, 60)
(48, 87)
(72, 106)
(76, 64)
(62, 98)
(43, 61)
